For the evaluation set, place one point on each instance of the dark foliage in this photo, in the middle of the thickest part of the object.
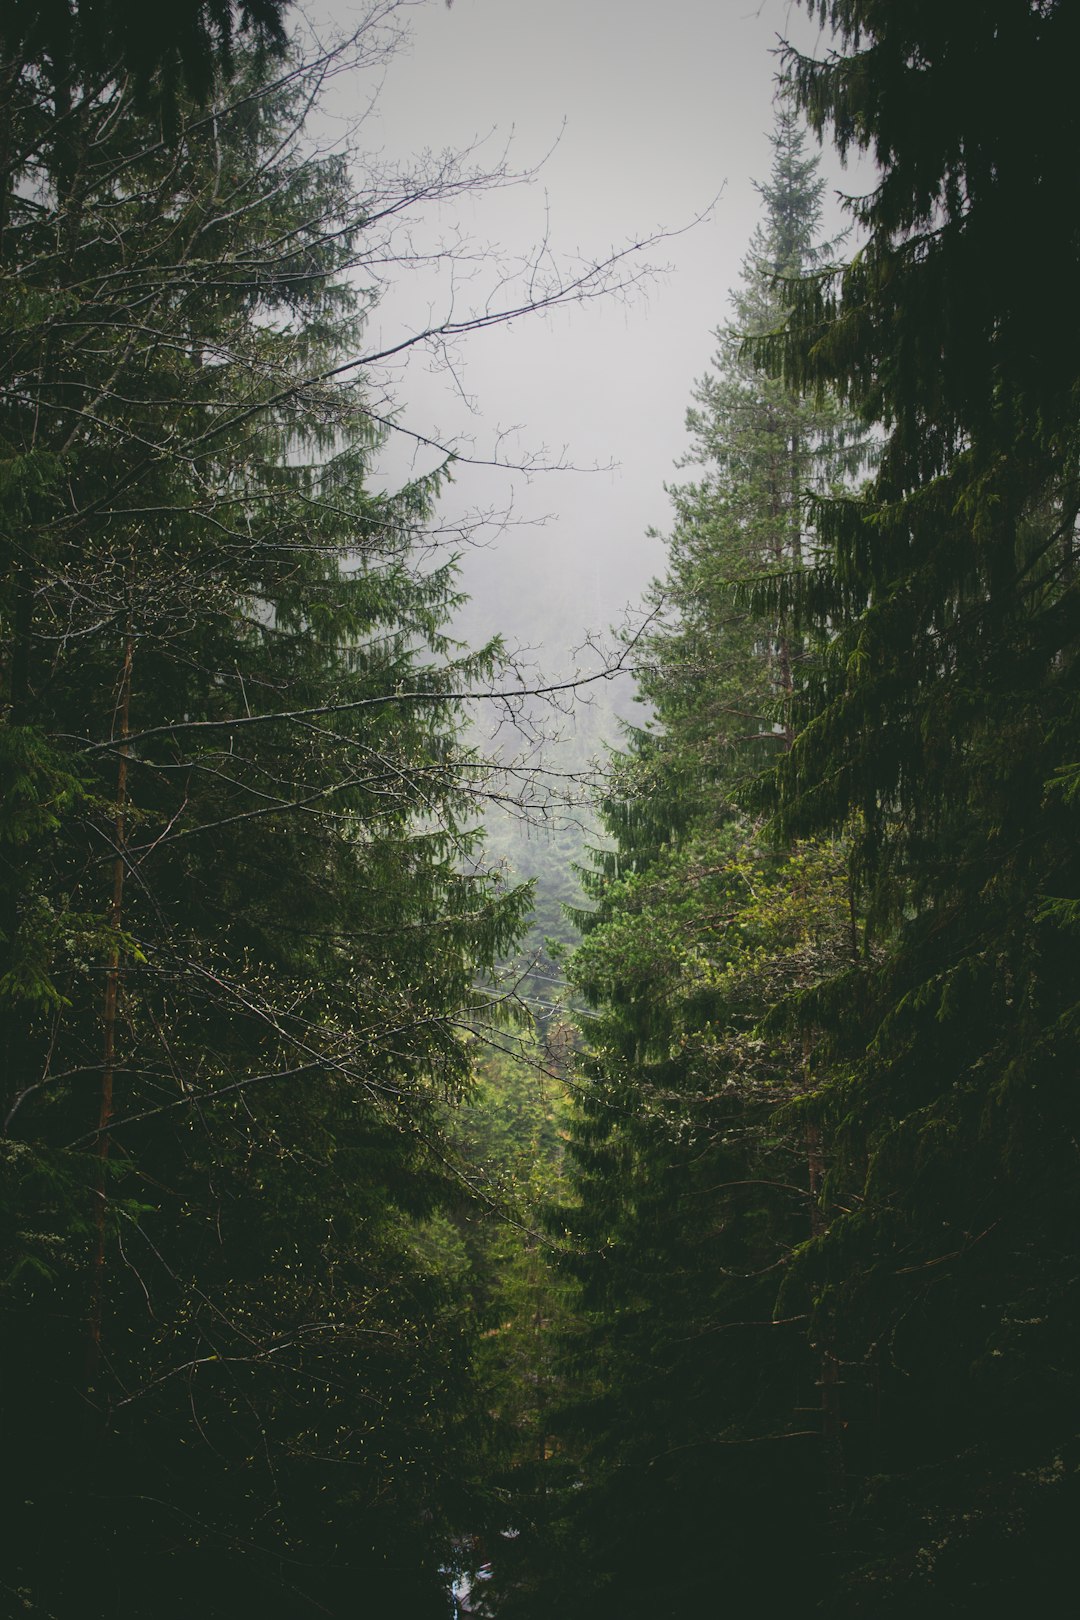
(241, 926)
(941, 724)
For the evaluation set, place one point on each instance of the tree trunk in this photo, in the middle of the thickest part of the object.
(112, 988)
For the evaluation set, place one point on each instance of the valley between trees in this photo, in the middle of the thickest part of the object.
(413, 1210)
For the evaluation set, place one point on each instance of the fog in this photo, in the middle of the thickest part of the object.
(633, 119)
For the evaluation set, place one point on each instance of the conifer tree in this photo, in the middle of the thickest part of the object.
(242, 923)
(941, 723)
(689, 1195)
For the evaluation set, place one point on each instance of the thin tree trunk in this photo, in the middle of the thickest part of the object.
(112, 988)
(22, 630)
(829, 1367)
(832, 1424)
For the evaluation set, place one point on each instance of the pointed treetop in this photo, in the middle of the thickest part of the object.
(792, 194)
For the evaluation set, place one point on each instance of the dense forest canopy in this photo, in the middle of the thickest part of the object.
(340, 1272)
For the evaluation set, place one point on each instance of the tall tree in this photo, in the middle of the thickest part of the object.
(689, 1194)
(943, 719)
(242, 924)
(723, 676)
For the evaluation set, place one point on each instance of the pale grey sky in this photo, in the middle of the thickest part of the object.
(653, 110)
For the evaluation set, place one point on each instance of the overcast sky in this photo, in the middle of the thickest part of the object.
(650, 110)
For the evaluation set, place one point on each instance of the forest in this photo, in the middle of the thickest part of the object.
(441, 1177)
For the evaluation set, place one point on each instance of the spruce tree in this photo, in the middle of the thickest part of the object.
(941, 724)
(689, 1194)
(243, 923)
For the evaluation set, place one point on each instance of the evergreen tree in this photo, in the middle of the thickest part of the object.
(718, 676)
(242, 923)
(689, 1194)
(941, 721)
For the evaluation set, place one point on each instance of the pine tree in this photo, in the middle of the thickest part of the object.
(690, 1196)
(941, 724)
(718, 678)
(243, 923)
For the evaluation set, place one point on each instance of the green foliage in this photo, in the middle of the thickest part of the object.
(686, 1444)
(243, 915)
(939, 725)
(187, 43)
